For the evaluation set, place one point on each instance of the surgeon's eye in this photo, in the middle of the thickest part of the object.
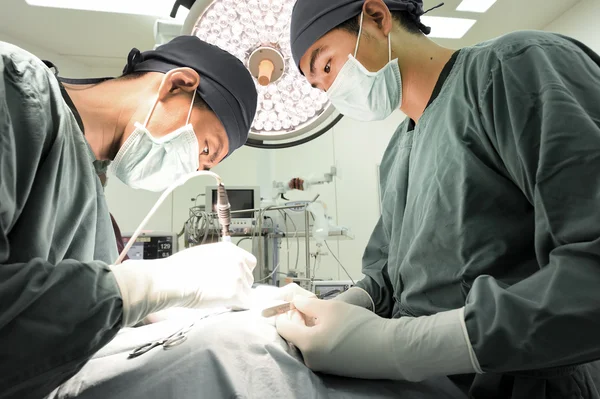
(328, 67)
(205, 151)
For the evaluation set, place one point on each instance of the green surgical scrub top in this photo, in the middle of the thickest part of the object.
(59, 302)
(492, 202)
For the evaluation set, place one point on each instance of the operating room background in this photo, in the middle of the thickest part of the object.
(91, 44)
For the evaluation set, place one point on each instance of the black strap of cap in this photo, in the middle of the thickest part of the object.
(417, 18)
(88, 81)
(65, 95)
(50, 65)
(133, 59)
(433, 8)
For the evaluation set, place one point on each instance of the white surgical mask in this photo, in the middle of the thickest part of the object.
(149, 163)
(364, 95)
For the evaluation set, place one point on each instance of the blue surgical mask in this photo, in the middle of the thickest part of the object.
(364, 95)
(152, 164)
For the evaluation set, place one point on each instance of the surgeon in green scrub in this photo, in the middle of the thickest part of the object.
(485, 263)
(182, 107)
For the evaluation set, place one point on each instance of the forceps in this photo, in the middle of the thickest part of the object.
(172, 340)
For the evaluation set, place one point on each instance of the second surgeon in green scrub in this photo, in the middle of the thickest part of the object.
(485, 264)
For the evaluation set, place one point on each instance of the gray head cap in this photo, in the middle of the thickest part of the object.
(225, 83)
(312, 19)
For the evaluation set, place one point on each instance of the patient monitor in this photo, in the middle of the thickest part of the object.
(241, 198)
(151, 245)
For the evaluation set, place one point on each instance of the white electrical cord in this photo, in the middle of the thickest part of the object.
(340, 263)
(286, 215)
(287, 238)
(158, 203)
(270, 275)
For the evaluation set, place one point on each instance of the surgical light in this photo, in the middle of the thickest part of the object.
(257, 32)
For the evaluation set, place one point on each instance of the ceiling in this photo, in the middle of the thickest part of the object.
(104, 39)
(503, 17)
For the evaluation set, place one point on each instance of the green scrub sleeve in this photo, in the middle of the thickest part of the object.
(53, 317)
(375, 268)
(541, 113)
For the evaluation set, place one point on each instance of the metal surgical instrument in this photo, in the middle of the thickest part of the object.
(172, 340)
(286, 307)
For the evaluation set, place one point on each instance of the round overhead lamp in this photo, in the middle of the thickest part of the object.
(290, 111)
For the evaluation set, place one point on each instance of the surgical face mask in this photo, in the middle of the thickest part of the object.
(149, 163)
(364, 95)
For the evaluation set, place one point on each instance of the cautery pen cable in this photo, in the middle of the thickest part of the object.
(223, 209)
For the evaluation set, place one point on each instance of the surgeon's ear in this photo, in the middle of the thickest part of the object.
(178, 80)
(377, 12)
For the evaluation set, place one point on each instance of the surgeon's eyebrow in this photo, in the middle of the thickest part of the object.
(313, 58)
(216, 153)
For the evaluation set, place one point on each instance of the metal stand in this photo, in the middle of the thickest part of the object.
(267, 246)
(306, 240)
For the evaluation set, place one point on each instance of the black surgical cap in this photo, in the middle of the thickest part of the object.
(312, 19)
(225, 83)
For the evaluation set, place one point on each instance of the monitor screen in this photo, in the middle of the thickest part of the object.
(146, 247)
(239, 199)
(137, 251)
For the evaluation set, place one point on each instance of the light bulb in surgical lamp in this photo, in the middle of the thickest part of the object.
(257, 32)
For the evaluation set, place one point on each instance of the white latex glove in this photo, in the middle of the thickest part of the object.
(264, 297)
(214, 275)
(351, 341)
(283, 294)
(358, 297)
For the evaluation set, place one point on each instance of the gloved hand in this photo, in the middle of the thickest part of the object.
(283, 294)
(205, 276)
(358, 297)
(353, 342)
(264, 297)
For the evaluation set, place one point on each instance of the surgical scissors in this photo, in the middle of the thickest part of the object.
(172, 340)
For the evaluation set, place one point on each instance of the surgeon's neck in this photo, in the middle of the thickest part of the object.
(421, 63)
(108, 107)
